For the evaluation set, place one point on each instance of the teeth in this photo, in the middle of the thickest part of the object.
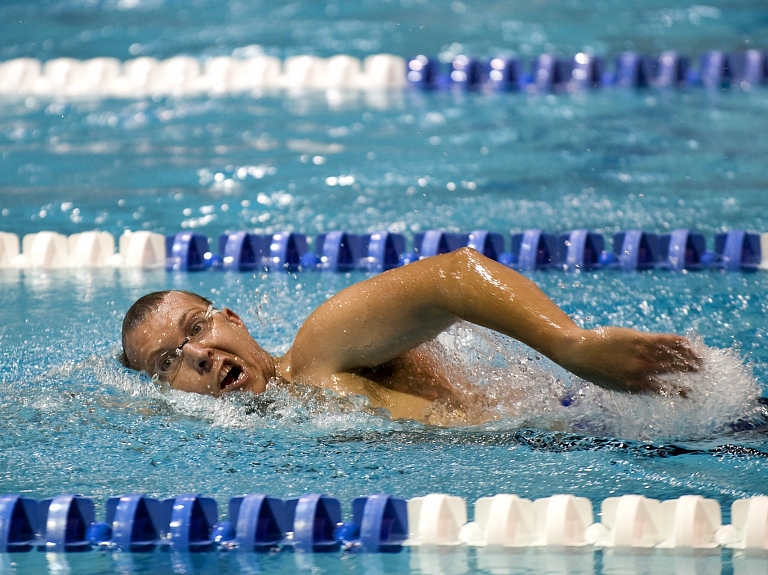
(232, 376)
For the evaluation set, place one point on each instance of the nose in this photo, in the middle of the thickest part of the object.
(198, 356)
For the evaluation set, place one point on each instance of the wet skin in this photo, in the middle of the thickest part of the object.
(204, 364)
(363, 339)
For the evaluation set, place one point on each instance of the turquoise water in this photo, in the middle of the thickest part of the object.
(75, 421)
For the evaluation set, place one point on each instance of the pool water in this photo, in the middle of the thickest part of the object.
(609, 160)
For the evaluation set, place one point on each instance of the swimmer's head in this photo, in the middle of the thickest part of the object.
(180, 339)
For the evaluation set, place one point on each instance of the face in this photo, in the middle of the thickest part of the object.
(199, 350)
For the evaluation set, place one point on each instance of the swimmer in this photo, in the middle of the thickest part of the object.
(364, 339)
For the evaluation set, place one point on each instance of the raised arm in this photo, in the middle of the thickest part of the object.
(376, 320)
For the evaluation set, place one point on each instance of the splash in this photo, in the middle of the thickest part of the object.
(512, 386)
(296, 407)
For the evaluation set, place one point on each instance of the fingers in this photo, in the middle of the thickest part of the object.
(641, 361)
(674, 354)
(670, 354)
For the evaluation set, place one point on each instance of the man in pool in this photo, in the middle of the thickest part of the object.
(365, 339)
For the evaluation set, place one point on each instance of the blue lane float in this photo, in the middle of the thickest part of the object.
(260, 521)
(468, 73)
(423, 72)
(436, 242)
(192, 518)
(749, 68)
(314, 518)
(586, 71)
(738, 250)
(187, 252)
(286, 250)
(548, 73)
(632, 70)
(671, 70)
(715, 70)
(136, 521)
(241, 251)
(381, 522)
(490, 244)
(507, 75)
(64, 521)
(18, 522)
(339, 251)
(580, 250)
(534, 249)
(636, 250)
(383, 251)
(683, 250)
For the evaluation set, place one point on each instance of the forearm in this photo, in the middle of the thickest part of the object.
(486, 293)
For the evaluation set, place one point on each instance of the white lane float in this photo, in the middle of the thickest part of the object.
(142, 249)
(629, 521)
(92, 250)
(690, 522)
(502, 520)
(749, 526)
(435, 520)
(19, 76)
(47, 250)
(9, 249)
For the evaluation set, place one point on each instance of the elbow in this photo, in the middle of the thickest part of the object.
(465, 258)
(453, 269)
(458, 276)
(468, 263)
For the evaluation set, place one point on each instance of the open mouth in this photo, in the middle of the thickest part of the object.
(232, 377)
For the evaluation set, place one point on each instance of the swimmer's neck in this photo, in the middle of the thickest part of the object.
(282, 367)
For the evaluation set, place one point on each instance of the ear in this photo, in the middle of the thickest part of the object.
(232, 317)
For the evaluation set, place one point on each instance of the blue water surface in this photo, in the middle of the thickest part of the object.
(75, 421)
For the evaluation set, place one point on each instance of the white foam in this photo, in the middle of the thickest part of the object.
(723, 391)
(300, 408)
(515, 386)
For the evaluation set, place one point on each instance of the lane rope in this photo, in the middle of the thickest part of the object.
(143, 77)
(313, 523)
(341, 251)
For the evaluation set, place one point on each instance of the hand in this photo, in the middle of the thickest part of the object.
(631, 361)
